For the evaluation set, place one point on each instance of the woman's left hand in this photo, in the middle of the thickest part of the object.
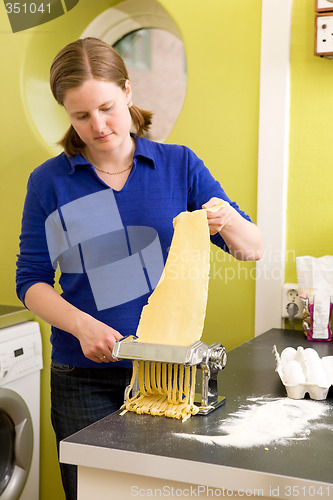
(218, 219)
(242, 237)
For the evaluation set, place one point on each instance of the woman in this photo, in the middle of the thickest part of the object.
(102, 210)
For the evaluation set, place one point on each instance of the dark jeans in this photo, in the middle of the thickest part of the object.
(80, 397)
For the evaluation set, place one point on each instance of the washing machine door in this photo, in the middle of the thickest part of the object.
(16, 438)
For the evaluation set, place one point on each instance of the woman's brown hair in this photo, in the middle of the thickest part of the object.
(80, 61)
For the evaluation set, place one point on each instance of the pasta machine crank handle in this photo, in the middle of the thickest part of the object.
(214, 362)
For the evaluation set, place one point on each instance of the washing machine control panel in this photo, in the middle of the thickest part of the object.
(19, 357)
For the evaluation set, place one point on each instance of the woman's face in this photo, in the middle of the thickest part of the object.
(98, 111)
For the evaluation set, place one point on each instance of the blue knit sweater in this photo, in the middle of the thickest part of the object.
(110, 245)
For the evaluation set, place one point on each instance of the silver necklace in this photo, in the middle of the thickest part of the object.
(114, 173)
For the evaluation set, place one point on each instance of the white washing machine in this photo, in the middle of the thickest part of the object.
(20, 365)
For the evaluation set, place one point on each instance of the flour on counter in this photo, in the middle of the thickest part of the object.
(265, 421)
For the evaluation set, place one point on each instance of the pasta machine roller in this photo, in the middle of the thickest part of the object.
(210, 359)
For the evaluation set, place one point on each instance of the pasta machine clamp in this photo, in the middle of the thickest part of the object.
(210, 359)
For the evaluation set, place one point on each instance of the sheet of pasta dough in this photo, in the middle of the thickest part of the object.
(176, 309)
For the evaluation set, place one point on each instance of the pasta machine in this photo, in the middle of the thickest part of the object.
(210, 359)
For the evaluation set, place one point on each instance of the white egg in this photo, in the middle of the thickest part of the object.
(288, 354)
(294, 373)
(310, 354)
(317, 376)
(314, 364)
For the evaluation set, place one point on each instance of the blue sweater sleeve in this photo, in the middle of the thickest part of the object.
(33, 263)
(202, 187)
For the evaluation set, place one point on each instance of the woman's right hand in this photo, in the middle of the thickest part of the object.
(97, 340)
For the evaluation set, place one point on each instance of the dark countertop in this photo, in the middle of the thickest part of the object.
(250, 372)
(12, 315)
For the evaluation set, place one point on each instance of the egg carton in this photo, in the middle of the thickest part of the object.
(303, 371)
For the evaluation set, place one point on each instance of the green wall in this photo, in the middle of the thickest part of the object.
(219, 121)
(310, 181)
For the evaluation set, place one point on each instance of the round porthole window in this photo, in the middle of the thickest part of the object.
(155, 60)
(151, 45)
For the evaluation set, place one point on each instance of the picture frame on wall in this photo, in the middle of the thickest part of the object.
(323, 5)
